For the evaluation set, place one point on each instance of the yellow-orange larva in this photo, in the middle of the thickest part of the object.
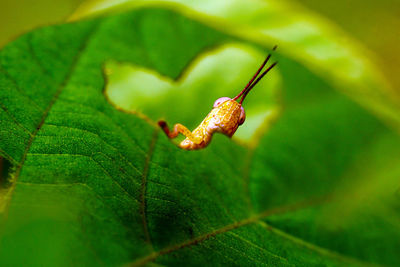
(225, 117)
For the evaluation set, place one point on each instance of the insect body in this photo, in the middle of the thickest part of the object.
(225, 117)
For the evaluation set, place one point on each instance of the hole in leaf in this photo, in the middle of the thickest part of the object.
(223, 71)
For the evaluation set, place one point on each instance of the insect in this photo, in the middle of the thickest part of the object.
(225, 117)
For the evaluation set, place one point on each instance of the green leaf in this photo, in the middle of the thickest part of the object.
(188, 99)
(94, 185)
(302, 35)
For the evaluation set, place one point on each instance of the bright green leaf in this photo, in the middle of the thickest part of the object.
(97, 186)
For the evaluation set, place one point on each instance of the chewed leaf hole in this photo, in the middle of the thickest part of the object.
(223, 71)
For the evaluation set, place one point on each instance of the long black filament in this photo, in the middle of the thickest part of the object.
(256, 81)
(252, 83)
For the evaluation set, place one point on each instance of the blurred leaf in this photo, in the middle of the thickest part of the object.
(17, 17)
(301, 35)
(97, 186)
(374, 23)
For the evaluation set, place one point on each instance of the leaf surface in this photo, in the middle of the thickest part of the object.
(97, 186)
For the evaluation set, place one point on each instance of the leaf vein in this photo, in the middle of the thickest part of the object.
(253, 219)
(14, 119)
(109, 118)
(97, 135)
(315, 248)
(21, 92)
(258, 247)
(240, 252)
(45, 114)
(34, 56)
(145, 174)
(96, 162)
(8, 157)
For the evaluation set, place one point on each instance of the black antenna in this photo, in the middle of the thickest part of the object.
(255, 76)
(256, 81)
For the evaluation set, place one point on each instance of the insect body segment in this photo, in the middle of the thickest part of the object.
(225, 117)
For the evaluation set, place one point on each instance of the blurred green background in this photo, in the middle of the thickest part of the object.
(374, 23)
